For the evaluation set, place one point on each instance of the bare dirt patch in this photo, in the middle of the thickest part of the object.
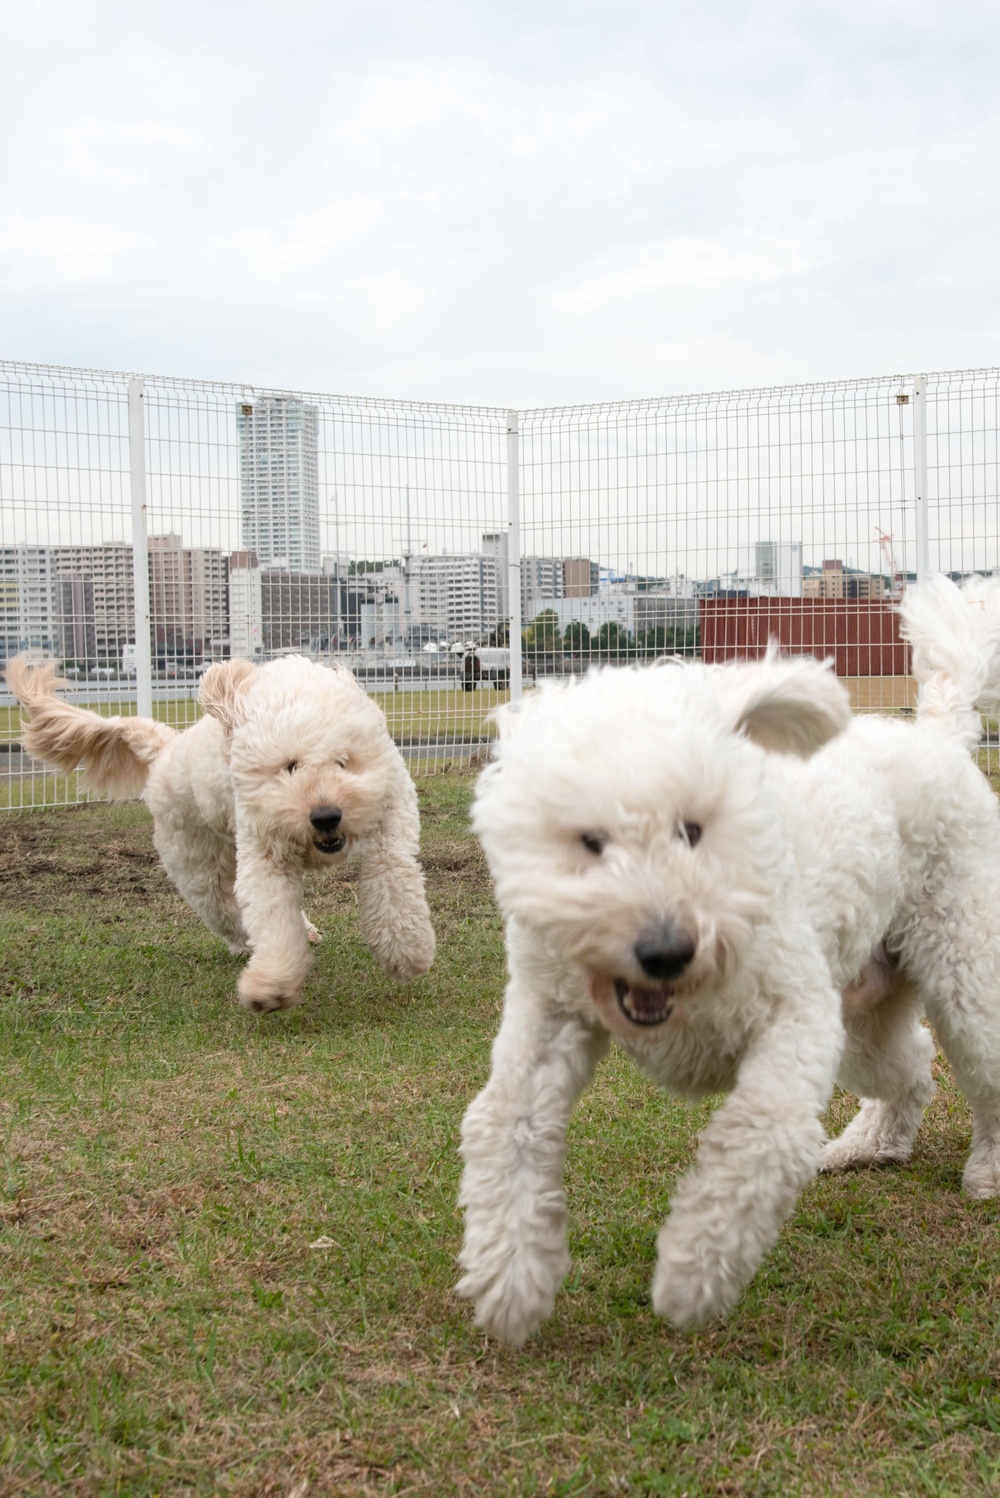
(48, 859)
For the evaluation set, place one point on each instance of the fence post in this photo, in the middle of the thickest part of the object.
(140, 549)
(514, 551)
(920, 475)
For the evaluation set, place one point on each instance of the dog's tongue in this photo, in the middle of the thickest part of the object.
(644, 1006)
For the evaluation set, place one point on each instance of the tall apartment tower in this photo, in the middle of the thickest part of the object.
(29, 600)
(279, 482)
(187, 599)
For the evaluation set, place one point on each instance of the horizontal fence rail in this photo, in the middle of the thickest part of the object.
(453, 555)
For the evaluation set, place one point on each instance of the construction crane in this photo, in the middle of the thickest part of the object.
(897, 582)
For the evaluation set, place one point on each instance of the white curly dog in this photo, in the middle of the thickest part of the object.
(698, 861)
(291, 767)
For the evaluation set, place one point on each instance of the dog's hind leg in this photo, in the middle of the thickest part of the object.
(962, 1002)
(204, 873)
(514, 1146)
(887, 1061)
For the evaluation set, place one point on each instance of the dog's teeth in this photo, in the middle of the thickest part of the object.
(651, 1012)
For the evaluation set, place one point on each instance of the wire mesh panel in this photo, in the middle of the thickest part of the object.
(963, 483)
(963, 471)
(359, 533)
(387, 537)
(706, 525)
(65, 553)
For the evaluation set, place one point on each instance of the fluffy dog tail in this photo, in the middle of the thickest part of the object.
(114, 753)
(954, 636)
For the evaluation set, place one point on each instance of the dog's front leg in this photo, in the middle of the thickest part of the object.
(269, 894)
(392, 908)
(755, 1156)
(514, 1146)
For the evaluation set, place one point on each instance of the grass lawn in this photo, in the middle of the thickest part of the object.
(410, 715)
(227, 1244)
(444, 712)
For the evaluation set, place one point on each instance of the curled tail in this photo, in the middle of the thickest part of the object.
(114, 753)
(954, 636)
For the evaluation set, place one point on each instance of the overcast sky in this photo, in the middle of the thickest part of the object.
(501, 203)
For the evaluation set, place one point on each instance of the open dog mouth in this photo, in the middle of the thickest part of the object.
(644, 1006)
(329, 844)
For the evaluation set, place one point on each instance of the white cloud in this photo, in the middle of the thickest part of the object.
(676, 267)
(42, 255)
(517, 203)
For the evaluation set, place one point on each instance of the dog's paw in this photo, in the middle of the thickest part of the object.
(689, 1297)
(981, 1177)
(260, 993)
(314, 935)
(238, 948)
(697, 1278)
(511, 1279)
(510, 1307)
(403, 969)
(869, 1139)
(404, 961)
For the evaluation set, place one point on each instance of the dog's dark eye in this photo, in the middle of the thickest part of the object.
(691, 833)
(592, 842)
(292, 766)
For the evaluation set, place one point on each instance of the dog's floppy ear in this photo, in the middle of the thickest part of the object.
(222, 690)
(510, 716)
(788, 707)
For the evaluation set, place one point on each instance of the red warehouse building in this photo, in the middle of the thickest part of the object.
(861, 636)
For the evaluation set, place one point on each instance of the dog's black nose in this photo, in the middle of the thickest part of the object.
(325, 819)
(663, 953)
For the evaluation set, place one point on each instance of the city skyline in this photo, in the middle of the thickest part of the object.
(649, 487)
(77, 603)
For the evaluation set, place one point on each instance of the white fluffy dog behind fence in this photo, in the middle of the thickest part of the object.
(291, 767)
(698, 861)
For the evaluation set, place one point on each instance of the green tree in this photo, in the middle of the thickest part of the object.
(544, 636)
(658, 641)
(613, 641)
(664, 641)
(686, 641)
(577, 637)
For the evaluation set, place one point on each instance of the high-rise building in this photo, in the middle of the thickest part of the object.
(455, 598)
(580, 577)
(279, 482)
(495, 545)
(77, 603)
(187, 599)
(246, 607)
(28, 600)
(542, 578)
(96, 616)
(766, 569)
(834, 580)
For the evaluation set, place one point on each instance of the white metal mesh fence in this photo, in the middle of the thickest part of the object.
(717, 520)
(149, 526)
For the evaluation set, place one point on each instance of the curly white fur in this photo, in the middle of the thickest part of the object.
(291, 767)
(697, 862)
